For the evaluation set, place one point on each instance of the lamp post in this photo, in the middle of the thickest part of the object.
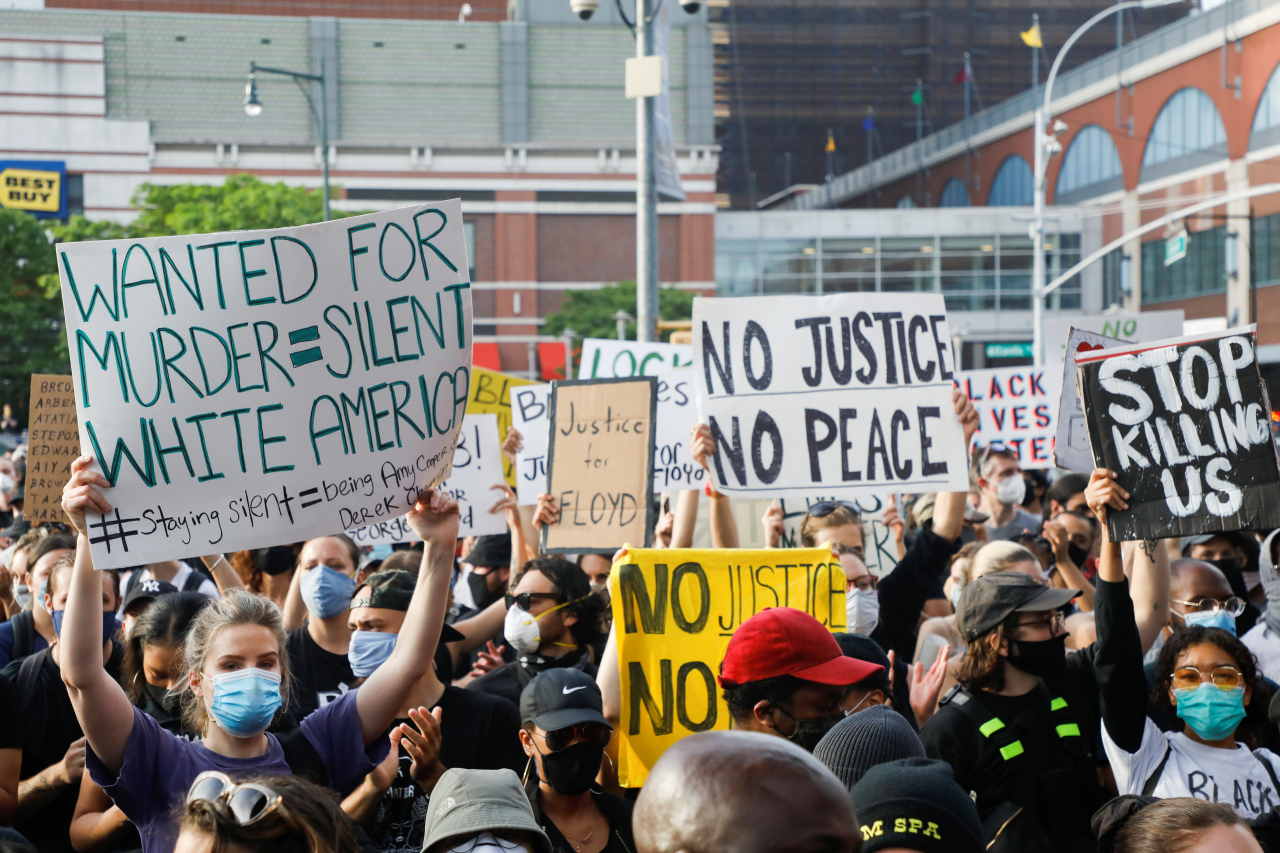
(1046, 146)
(253, 108)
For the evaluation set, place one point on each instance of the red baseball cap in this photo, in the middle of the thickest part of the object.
(785, 641)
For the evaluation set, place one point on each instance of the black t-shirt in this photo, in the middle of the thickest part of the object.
(12, 729)
(319, 676)
(50, 727)
(477, 732)
(508, 681)
(617, 815)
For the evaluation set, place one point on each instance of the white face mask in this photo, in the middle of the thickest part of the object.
(861, 611)
(7, 484)
(956, 590)
(522, 631)
(1011, 490)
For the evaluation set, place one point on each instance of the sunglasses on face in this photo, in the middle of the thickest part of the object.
(1234, 606)
(593, 733)
(248, 802)
(525, 599)
(824, 508)
(1223, 677)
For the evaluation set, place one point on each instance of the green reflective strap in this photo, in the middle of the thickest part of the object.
(1013, 750)
(991, 726)
(1068, 730)
(1058, 704)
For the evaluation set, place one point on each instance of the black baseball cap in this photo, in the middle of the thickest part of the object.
(19, 527)
(147, 591)
(393, 590)
(989, 600)
(560, 698)
(492, 551)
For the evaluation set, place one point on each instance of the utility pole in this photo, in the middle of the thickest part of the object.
(646, 189)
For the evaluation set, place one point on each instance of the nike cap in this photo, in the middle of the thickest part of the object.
(560, 698)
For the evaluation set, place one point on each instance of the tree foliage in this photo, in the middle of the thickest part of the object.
(590, 313)
(30, 322)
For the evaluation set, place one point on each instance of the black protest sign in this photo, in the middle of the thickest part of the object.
(1186, 424)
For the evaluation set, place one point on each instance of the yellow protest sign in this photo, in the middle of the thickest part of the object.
(673, 614)
(491, 394)
(29, 189)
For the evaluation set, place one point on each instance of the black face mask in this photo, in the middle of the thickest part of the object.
(160, 695)
(572, 770)
(480, 594)
(807, 733)
(1077, 554)
(1042, 658)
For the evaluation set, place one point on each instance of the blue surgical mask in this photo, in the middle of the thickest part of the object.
(381, 552)
(244, 701)
(40, 591)
(1212, 713)
(369, 650)
(109, 623)
(326, 592)
(1211, 619)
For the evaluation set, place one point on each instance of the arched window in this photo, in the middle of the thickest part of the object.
(905, 202)
(1090, 168)
(1011, 187)
(954, 194)
(1187, 133)
(1266, 121)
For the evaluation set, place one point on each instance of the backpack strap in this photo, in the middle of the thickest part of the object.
(1150, 785)
(989, 725)
(24, 631)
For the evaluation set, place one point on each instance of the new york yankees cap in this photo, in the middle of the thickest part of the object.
(145, 592)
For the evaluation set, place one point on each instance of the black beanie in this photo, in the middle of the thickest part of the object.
(916, 804)
(861, 741)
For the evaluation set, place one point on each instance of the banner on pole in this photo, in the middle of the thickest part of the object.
(255, 387)
(1017, 410)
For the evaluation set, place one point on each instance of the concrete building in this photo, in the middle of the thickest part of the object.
(524, 119)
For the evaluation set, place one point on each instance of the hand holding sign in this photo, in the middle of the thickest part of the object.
(1105, 492)
(81, 494)
(434, 518)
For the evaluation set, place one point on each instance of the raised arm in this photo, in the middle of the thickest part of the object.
(948, 509)
(223, 575)
(435, 519)
(295, 609)
(686, 519)
(724, 527)
(100, 703)
(1067, 569)
(1149, 588)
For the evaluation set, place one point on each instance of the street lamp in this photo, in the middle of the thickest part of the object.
(253, 108)
(1045, 147)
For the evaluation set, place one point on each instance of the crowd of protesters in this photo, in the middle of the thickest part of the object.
(1017, 682)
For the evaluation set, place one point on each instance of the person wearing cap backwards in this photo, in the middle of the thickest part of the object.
(439, 727)
(564, 733)
(784, 674)
(483, 811)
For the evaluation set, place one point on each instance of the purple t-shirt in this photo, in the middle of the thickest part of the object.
(159, 767)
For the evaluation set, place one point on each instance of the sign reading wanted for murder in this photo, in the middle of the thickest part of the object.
(845, 395)
(243, 389)
(1186, 424)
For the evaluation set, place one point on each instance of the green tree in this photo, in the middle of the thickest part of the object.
(30, 322)
(590, 313)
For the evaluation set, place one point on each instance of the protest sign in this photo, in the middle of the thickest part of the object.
(673, 466)
(607, 359)
(673, 614)
(880, 550)
(805, 394)
(491, 393)
(1186, 425)
(1140, 327)
(244, 389)
(53, 443)
(1071, 448)
(530, 417)
(1017, 410)
(600, 464)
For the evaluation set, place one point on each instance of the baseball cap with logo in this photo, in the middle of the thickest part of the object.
(561, 697)
(784, 641)
(145, 592)
(989, 600)
(466, 803)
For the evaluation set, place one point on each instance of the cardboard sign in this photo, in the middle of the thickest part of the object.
(606, 359)
(880, 551)
(491, 393)
(1071, 449)
(53, 443)
(846, 395)
(600, 464)
(1186, 424)
(674, 613)
(531, 417)
(249, 388)
(1017, 409)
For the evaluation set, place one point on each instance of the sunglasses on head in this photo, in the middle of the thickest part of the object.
(247, 802)
(596, 734)
(525, 599)
(824, 508)
(1223, 677)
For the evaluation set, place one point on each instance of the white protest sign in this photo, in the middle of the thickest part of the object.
(255, 387)
(879, 549)
(530, 419)
(1017, 409)
(846, 395)
(477, 468)
(608, 359)
(1072, 449)
(1144, 326)
(673, 466)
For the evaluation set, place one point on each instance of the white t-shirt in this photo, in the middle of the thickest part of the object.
(1232, 776)
(207, 588)
(1265, 645)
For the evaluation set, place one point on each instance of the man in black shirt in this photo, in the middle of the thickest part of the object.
(11, 735)
(553, 618)
(53, 745)
(318, 650)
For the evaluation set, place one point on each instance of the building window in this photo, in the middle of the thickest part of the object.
(1268, 115)
(788, 266)
(954, 194)
(75, 195)
(737, 267)
(1113, 278)
(1061, 254)
(469, 233)
(1011, 187)
(848, 266)
(1188, 125)
(905, 202)
(1090, 168)
(907, 263)
(1265, 250)
(968, 266)
(1200, 273)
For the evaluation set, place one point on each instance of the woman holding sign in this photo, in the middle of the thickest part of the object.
(1206, 674)
(237, 680)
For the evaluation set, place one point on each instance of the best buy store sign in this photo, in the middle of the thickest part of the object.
(38, 187)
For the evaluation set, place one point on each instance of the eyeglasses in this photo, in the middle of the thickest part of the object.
(1234, 606)
(866, 583)
(1223, 677)
(595, 734)
(248, 802)
(1054, 622)
(824, 508)
(525, 599)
